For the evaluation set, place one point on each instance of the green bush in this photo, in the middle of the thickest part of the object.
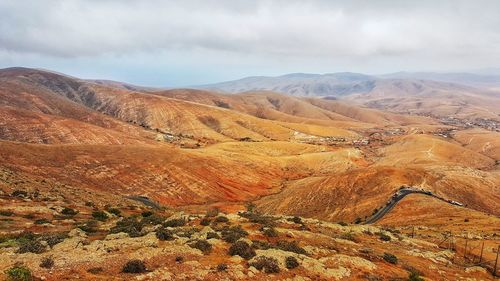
(175, 223)
(164, 234)
(291, 262)
(270, 232)
(242, 249)
(100, 215)
(152, 220)
(134, 266)
(186, 232)
(6, 213)
(221, 219)
(41, 221)
(130, 225)
(233, 233)
(259, 218)
(390, 258)
(290, 247)
(146, 214)
(342, 223)
(212, 213)
(221, 267)
(69, 212)
(205, 221)
(89, 226)
(261, 245)
(296, 220)
(53, 238)
(384, 237)
(414, 275)
(19, 273)
(47, 262)
(115, 211)
(203, 246)
(212, 235)
(268, 264)
(348, 236)
(31, 246)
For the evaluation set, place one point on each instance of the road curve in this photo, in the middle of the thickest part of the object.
(400, 194)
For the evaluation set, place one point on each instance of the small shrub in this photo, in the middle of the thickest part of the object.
(221, 267)
(414, 276)
(212, 213)
(221, 219)
(291, 262)
(203, 246)
(29, 216)
(89, 204)
(69, 212)
(348, 236)
(95, 270)
(100, 215)
(233, 234)
(242, 249)
(31, 246)
(186, 232)
(251, 207)
(357, 221)
(41, 221)
(19, 193)
(296, 220)
(212, 235)
(342, 223)
(175, 223)
(19, 273)
(146, 214)
(53, 238)
(179, 259)
(268, 264)
(6, 213)
(260, 219)
(134, 266)
(384, 237)
(164, 234)
(47, 262)
(261, 245)
(152, 220)
(129, 225)
(89, 226)
(466, 220)
(390, 258)
(115, 211)
(270, 232)
(205, 221)
(291, 247)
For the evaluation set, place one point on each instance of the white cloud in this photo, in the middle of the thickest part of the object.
(450, 33)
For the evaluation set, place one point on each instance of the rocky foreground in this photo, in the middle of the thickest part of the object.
(140, 244)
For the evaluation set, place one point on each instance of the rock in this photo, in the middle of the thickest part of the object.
(475, 269)
(316, 267)
(349, 261)
(115, 236)
(77, 233)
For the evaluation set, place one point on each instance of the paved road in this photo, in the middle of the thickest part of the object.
(396, 198)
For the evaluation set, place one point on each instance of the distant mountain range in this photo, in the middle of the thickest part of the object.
(345, 83)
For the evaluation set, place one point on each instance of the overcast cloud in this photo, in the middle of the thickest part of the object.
(172, 43)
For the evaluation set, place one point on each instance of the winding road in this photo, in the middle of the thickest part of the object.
(400, 194)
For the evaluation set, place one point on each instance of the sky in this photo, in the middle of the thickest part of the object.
(192, 42)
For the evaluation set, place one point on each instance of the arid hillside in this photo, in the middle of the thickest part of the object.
(89, 145)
